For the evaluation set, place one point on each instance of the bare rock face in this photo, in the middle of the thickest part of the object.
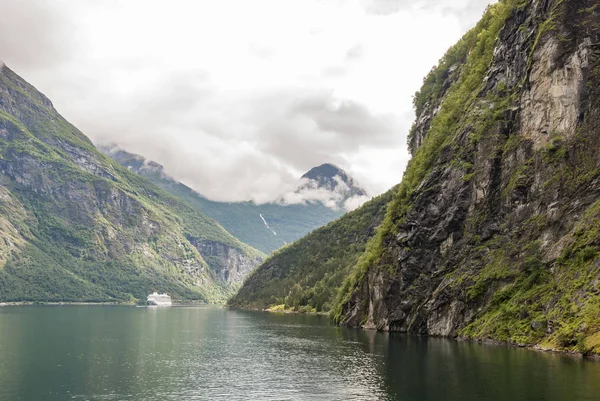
(551, 107)
(230, 264)
(505, 216)
(11, 240)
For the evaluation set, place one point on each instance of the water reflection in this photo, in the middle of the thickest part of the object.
(206, 353)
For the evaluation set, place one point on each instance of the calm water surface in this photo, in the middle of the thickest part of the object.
(206, 353)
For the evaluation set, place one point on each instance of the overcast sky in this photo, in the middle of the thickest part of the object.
(239, 98)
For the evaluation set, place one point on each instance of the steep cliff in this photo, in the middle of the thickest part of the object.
(494, 232)
(76, 226)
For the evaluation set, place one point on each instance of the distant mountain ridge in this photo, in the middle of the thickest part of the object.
(268, 226)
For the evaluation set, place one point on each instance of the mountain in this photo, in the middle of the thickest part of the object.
(266, 227)
(77, 226)
(494, 232)
(334, 180)
(307, 275)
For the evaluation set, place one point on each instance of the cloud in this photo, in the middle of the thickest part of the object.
(466, 11)
(387, 7)
(347, 119)
(176, 92)
(308, 191)
(355, 53)
(227, 106)
(307, 129)
(260, 51)
(355, 202)
(33, 34)
(334, 71)
(260, 156)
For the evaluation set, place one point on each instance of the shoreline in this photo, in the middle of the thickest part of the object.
(79, 303)
(530, 347)
(283, 311)
(481, 341)
(63, 303)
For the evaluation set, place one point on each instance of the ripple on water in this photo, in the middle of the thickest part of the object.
(204, 353)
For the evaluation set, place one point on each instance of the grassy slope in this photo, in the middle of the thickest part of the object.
(79, 242)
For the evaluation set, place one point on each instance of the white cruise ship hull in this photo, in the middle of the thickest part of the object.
(154, 303)
(158, 300)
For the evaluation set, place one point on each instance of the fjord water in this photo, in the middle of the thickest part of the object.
(206, 353)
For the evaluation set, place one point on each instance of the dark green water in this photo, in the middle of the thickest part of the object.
(205, 353)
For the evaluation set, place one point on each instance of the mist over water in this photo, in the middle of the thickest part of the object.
(206, 353)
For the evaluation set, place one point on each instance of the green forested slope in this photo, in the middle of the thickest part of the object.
(306, 275)
(76, 226)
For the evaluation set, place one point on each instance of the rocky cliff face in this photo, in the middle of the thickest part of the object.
(230, 264)
(76, 226)
(495, 230)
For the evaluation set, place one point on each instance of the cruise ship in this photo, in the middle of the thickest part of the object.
(157, 299)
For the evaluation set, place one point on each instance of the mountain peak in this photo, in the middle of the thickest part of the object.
(326, 170)
(331, 177)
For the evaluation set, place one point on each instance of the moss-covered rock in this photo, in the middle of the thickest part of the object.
(494, 231)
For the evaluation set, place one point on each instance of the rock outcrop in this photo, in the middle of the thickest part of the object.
(230, 264)
(495, 230)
